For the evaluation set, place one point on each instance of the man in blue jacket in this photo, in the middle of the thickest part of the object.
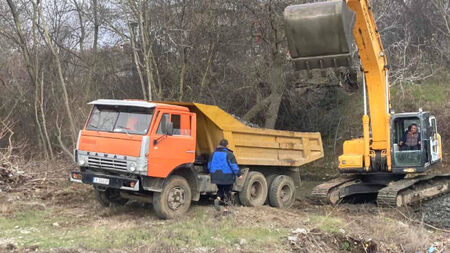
(224, 171)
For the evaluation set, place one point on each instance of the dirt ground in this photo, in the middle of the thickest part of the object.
(42, 212)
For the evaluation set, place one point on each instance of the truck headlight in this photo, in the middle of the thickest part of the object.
(133, 166)
(82, 160)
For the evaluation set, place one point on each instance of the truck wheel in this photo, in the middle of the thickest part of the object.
(174, 199)
(110, 197)
(254, 192)
(282, 192)
(269, 180)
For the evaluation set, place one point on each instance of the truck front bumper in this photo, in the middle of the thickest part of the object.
(107, 181)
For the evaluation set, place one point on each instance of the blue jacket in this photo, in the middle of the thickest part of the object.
(223, 166)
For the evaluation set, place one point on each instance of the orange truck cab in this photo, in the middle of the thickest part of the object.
(158, 153)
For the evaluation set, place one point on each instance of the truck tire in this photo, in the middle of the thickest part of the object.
(282, 192)
(174, 199)
(110, 197)
(269, 180)
(254, 192)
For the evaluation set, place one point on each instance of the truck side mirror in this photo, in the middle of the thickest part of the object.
(169, 128)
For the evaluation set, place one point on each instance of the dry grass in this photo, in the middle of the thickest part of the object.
(83, 225)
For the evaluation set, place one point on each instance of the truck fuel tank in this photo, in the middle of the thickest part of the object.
(319, 34)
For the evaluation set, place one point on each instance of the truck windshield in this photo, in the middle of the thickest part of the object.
(120, 119)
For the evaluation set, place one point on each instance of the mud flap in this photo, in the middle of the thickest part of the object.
(239, 183)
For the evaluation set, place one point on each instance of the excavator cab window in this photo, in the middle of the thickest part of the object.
(406, 142)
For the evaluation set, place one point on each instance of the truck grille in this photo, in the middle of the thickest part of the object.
(107, 163)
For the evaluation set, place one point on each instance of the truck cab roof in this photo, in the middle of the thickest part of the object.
(137, 103)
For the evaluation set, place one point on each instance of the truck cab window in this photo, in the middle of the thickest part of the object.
(163, 123)
(181, 124)
(120, 119)
(176, 120)
(133, 121)
(102, 119)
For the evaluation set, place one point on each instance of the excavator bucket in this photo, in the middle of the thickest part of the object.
(319, 34)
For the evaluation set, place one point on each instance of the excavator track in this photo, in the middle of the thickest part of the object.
(325, 193)
(411, 190)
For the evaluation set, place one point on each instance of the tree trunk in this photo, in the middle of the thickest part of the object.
(44, 122)
(277, 85)
(158, 76)
(182, 72)
(61, 78)
(32, 67)
(146, 48)
(208, 66)
(257, 108)
(137, 62)
(82, 29)
(22, 41)
(96, 25)
(38, 123)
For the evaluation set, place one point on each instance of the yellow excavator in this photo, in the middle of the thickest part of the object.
(320, 35)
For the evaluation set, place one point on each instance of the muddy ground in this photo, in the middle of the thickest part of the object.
(437, 211)
(40, 211)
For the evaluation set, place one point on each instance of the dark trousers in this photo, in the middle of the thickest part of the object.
(224, 191)
(405, 148)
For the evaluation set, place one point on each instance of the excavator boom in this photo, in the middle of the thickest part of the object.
(320, 35)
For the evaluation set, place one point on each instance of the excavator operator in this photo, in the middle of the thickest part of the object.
(411, 139)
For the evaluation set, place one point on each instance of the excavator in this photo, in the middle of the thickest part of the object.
(320, 35)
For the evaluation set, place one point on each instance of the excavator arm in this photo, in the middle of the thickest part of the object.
(320, 35)
(375, 71)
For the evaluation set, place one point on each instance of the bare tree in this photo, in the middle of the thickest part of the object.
(62, 81)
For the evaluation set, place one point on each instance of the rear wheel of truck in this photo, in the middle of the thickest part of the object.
(110, 197)
(174, 199)
(282, 192)
(254, 192)
(269, 180)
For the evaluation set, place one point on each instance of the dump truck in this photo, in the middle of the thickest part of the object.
(158, 153)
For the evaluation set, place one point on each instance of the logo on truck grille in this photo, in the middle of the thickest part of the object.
(107, 163)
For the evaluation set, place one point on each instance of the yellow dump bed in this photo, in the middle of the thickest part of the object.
(252, 146)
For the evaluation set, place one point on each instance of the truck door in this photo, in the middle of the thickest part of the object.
(434, 143)
(169, 151)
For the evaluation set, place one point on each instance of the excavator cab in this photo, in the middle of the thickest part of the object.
(411, 156)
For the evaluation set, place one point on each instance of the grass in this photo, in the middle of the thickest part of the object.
(35, 228)
(432, 92)
(202, 231)
(327, 223)
(88, 226)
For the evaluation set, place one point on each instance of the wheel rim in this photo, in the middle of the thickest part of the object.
(255, 190)
(176, 198)
(285, 193)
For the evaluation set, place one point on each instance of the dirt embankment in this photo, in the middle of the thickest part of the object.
(43, 212)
